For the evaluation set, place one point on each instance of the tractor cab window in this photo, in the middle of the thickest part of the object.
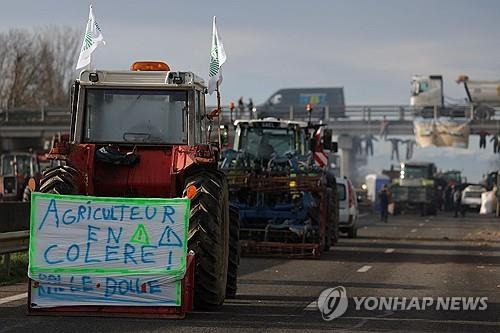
(258, 141)
(200, 117)
(412, 172)
(136, 116)
(203, 121)
(19, 164)
(7, 164)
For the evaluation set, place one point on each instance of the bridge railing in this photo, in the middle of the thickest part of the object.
(34, 116)
(349, 113)
(359, 112)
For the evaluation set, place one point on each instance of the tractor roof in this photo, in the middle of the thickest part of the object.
(270, 122)
(159, 79)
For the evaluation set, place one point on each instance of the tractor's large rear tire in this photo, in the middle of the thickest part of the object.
(59, 180)
(209, 237)
(234, 252)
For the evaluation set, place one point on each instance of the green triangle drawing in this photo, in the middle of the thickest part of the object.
(140, 235)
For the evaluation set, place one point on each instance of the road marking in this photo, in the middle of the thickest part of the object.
(13, 298)
(413, 230)
(420, 224)
(313, 306)
(389, 251)
(364, 269)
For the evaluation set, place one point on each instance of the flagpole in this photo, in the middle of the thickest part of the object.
(219, 112)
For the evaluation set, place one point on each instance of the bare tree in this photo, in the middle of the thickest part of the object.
(63, 45)
(37, 67)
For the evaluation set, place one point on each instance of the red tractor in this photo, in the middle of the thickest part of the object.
(146, 133)
(16, 168)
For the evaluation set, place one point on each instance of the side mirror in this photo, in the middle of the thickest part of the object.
(327, 139)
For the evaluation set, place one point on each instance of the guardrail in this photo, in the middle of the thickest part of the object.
(354, 119)
(11, 242)
(363, 113)
(15, 241)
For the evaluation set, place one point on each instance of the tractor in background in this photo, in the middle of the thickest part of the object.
(287, 203)
(16, 169)
(146, 133)
(416, 188)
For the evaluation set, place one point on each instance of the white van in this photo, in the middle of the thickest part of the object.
(471, 197)
(348, 207)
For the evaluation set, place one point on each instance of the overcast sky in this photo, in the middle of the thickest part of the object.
(371, 48)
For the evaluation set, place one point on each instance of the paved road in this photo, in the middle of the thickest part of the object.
(410, 256)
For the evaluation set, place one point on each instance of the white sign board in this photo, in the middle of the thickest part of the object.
(107, 251)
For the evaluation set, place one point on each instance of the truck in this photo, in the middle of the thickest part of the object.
(416, 188)
(287, 203)
(145, 132)
(288, 102)
(427, 96)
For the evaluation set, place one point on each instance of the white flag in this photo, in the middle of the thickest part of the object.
(217, 58)
(91, 40)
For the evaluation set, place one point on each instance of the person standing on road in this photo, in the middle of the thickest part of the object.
(448, 198)
(494, 139)
(250, 105)
(457, 201)
(482, 139)
(241, 106)
(384, 204)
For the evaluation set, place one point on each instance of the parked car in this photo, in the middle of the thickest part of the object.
(348, 207)
(471, 197)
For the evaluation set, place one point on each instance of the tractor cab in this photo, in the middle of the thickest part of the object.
(15, 170)
(267, 144)
(134, 133)
(417, 174)
(270, 136)
(146, 106)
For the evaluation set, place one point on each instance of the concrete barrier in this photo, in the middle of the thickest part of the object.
(14, 216)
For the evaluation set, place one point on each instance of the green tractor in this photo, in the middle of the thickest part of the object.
(416, 188)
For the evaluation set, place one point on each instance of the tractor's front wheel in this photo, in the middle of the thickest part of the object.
(209, 237)
(59, 180)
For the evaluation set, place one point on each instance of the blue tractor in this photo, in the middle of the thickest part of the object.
(287, 203)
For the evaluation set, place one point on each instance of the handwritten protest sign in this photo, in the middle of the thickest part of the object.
(107, 251)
